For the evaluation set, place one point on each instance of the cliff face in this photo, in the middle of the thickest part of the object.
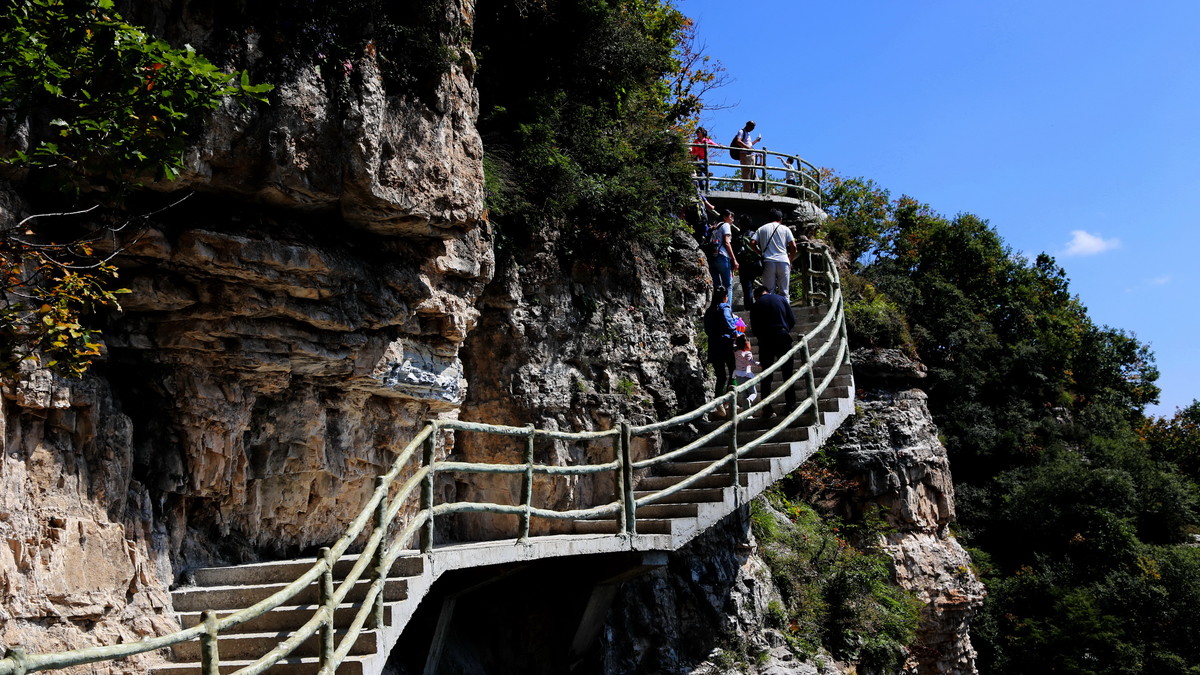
(577, 345)
(892, 450)
(291, 323)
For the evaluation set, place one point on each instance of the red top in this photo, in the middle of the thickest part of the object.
(701, 151)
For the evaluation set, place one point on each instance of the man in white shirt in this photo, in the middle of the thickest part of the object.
(777, 246)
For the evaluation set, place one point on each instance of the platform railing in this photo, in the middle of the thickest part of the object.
(408, 487)
(801, 180)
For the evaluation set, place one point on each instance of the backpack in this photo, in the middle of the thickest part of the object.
(710, 245)
(734, 152)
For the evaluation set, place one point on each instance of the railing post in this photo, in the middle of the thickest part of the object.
(619, 481)
(527, 485)
(733, 445)
(326, 602)
(427, 459)
(803, 271)
(630, 524)
(210, 653)
(810, 379)
(381, 570)
(18, 655)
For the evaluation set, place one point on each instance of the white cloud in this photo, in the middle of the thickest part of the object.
(1160, 281)
(1085, 243)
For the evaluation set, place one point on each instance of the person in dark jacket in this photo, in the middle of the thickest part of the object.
(772, 321)
(721, 327)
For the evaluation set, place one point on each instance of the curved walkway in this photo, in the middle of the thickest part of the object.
(344, 612)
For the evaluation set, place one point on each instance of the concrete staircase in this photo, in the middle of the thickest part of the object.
(663, 526)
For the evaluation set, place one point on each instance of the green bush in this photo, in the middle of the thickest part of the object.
(835, 594)
(872, 319)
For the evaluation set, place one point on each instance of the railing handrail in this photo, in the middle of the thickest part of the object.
(807, 176)
(380, 551)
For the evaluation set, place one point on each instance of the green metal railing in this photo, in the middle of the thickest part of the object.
(800, 181)
(413, 476)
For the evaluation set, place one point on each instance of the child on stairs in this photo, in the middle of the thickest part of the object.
(744, 362)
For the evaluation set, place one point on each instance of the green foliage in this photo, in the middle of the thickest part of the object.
(103, 98)
(860, 214)
(46, 317)
(583, 141)
(1175, 441)
(100, 104)
(626, 386)
(1075, 506)
(835, 593)
(872, 319)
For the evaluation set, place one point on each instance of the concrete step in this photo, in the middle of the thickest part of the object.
(237, 597)
(648, 526)
(353, 665)
(253, 645)
(687, 496)
(835, 392)
(779, 445)
(652, 483)
(782, 449)
(668, 511)
(692, 468)
(284, 571)
(289, 617)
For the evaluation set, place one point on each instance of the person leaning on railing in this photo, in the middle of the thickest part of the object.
(792, 177)
(699, 151)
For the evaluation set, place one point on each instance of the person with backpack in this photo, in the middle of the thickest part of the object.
(750, 262)
(777, 246)
(772, 321)
(722, 262)
(741, 150)
(721, 328)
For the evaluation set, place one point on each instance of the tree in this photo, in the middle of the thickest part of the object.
(91, 105)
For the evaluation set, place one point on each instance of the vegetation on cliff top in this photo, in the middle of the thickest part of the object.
(586, 138)
(90, 105)
(1079, 508)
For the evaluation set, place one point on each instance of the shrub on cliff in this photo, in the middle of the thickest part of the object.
(837, 586)
(582, 140)
(90, 103)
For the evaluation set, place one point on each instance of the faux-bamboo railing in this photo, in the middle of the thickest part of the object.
(800, 181)
(380, 550)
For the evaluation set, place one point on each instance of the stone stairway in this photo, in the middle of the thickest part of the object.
(710, 499)
(665, 525)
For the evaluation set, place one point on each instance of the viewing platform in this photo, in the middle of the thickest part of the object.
(776, 180)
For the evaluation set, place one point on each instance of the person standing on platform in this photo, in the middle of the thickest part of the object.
(699, 151)
(772, 321)
(749, 159)
(777, 246)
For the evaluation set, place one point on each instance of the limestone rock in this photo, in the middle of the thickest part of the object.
(891, 447)
(292, 323)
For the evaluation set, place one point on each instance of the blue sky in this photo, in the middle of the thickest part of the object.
(1072, 127)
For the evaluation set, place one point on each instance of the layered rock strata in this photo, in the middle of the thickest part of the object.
(291, 325)
(577, 345)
